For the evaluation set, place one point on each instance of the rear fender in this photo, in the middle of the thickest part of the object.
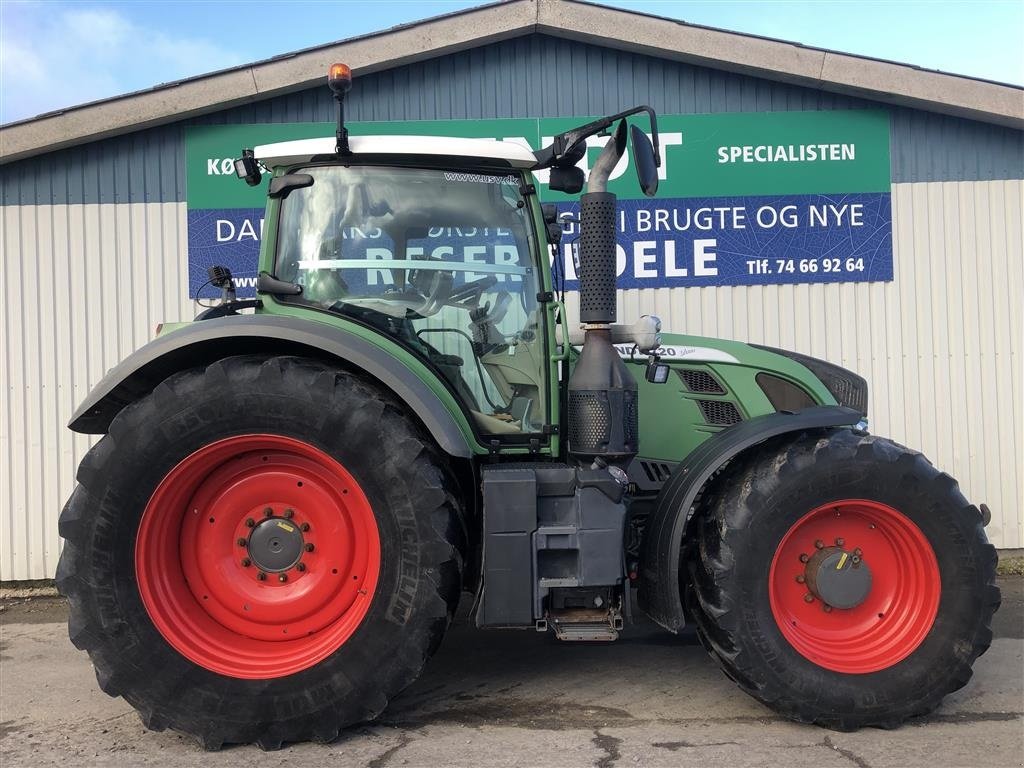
(660, 595)
(199, 344)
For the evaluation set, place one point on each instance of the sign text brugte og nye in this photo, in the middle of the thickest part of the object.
(744, 198)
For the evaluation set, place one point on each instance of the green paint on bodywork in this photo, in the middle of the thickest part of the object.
(671, 423)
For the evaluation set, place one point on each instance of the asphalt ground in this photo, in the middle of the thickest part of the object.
(520, 699)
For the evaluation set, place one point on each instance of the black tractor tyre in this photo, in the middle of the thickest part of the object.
(743, 520)
(325, 411)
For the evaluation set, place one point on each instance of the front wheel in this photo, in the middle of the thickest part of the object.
(841, 579)
(262, 550)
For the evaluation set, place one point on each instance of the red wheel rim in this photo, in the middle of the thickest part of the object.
(219, 519)
(897, 612)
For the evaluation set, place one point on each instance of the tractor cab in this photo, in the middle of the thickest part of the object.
(440, 245)
(431, 242)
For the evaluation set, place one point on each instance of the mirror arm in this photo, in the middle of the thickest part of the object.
(564, 142)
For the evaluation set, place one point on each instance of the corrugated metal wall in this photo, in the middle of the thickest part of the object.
(83, 286)
(941, 345)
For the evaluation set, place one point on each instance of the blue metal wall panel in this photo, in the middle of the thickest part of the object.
(533, 76)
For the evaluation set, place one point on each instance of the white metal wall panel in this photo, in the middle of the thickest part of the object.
(83, 286)
(941, 345)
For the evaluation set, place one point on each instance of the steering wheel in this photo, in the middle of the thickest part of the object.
(471, 291)
(430, 290)
(426, 292)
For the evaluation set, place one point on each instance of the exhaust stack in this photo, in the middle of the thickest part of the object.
(602, 413)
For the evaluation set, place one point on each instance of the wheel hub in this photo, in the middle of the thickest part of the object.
(838, 578)
(275, 545)
(840, 613)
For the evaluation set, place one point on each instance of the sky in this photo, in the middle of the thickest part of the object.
(57, 54)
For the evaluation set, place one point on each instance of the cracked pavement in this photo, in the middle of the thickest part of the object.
(520, 699)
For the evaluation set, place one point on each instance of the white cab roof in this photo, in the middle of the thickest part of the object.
(302, 151)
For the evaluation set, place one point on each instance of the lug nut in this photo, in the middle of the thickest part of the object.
(808, 598)
(801, 579)
(261, 576)
(309, 546)
(840, 542)
(268, 512)
(246, 562)
(242, 542)
(282, 577)
(804, 558)
(855, 559)
(300, 567)
(826, 608)
(857, 552)
(304, 526)
(819, 544)
(250, 523)
(289, 513)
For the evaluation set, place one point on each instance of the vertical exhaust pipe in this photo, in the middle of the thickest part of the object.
(602, 410)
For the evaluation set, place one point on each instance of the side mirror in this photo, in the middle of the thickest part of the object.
(281, 186)
(568, 180)
(248, 169)
(644, 160)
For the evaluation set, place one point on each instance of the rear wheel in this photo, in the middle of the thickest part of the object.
(265, 550)
(841, 579)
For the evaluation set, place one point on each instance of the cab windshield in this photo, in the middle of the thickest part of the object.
(442, 261)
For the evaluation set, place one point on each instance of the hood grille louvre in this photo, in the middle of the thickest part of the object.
(719, 412)
(700, 381)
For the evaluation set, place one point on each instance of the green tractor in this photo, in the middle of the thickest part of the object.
(272, 535)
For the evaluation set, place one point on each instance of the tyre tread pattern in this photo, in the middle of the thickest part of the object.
(715, 598)
(418, 465)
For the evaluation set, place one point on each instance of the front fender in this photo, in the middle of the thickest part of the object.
(198, 344)
(660, 595)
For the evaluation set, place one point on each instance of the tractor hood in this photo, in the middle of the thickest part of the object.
(715, 384)
(825, 383)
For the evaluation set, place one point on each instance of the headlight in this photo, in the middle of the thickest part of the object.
(847, 387)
